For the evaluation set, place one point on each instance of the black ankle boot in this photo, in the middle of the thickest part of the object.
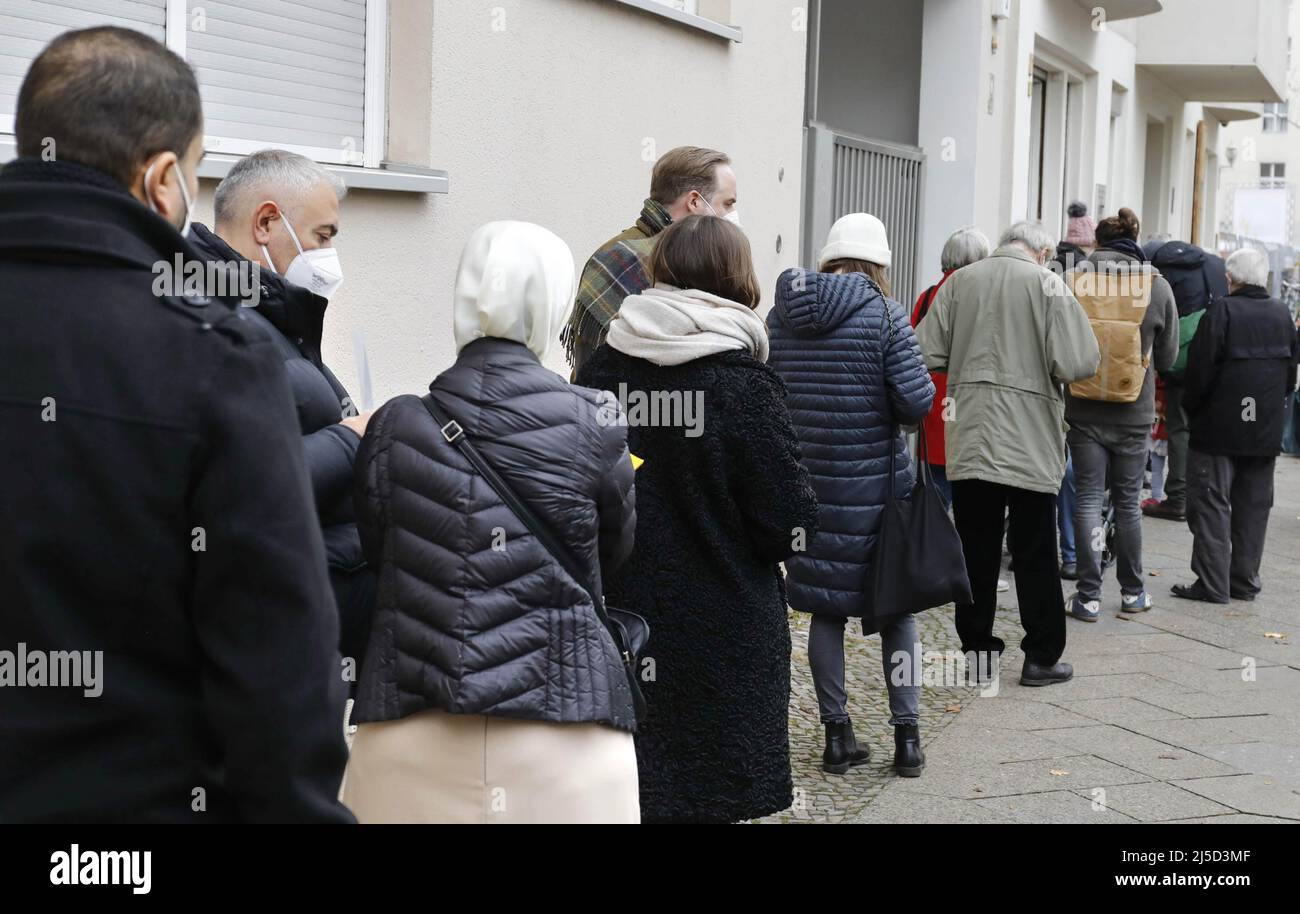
(842, 749)
(909, 760)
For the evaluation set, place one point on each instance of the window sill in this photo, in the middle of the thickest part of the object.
(396, 178)
(408, 179)
(730, 32)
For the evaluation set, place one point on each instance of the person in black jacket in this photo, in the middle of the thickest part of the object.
(155, 521)
(1241, 368)
(722, 499)
(280, 211)
(491, 691)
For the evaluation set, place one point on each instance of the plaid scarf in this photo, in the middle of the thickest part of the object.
(621, 267)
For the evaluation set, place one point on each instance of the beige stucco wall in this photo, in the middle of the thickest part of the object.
(555, 118)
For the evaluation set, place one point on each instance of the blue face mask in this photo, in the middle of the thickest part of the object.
(185, 195)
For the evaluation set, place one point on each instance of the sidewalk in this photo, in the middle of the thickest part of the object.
(1162, 722)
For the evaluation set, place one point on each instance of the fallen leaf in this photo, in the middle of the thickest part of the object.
(1155, 574)
(1060, 773)
(1169, 755)
(953, 709)
(1277, 635)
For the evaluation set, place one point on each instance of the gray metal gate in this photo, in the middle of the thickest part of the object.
(850, 174)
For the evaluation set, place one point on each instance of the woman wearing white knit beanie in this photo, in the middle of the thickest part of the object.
(858, 243)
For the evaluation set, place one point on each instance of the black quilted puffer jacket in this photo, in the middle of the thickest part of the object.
(474, 616)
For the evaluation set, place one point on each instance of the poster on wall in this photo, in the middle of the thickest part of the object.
(1262, 213)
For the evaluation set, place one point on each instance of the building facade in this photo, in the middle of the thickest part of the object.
(445, 114)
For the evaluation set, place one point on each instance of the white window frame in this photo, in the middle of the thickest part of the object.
(691, 17)
(1276, 177)
(1276, 117)
(374, 142)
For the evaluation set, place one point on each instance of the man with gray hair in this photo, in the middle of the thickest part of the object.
(278, 212)
(1241, 368)
(1009, 334)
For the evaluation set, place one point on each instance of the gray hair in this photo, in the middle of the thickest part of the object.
(286, 176)
(1248, 267)
(1029, 233)
(964, 247)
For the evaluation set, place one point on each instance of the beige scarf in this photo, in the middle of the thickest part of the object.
(670, 326)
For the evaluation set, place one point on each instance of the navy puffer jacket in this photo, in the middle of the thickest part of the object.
(848, 392)
(475, 616)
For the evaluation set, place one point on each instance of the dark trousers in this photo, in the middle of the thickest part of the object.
(1179, 435)
(1229, 499)
(979, 509)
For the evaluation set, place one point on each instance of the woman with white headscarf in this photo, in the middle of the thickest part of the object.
(490, 690)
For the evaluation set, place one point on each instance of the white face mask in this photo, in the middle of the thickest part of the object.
(185, 195)
(733, 217)
(317, 271)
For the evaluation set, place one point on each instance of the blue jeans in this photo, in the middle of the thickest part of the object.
(1114, 458)
(1065, 504)
(941, 484)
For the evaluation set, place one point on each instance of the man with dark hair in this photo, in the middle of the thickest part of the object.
(158, 521)
(688, 180)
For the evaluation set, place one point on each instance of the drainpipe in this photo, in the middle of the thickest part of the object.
(1198, 182)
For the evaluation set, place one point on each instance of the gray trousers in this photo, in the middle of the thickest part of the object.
(1121, 452)
(901, 655)
(1179, 434)
(1229, 499)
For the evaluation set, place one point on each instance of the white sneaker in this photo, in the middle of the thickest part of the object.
(1083, 610)
(1003, 586)
(1135, 603)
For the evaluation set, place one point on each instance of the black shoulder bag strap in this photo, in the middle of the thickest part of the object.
(455, 435)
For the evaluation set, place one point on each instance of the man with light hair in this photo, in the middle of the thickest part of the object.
(1008, 333)
(1241, 368)
(686, 181)
(279, 212)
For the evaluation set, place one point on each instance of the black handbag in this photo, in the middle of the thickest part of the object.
(919, 562)
(631, 632)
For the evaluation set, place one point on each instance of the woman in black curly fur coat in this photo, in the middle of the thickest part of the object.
(722, 499)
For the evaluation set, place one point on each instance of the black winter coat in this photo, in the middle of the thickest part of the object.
(155, 508)
(716, 513)
(1241, 368)
(848, 395)
(475, 616)
(293, 318)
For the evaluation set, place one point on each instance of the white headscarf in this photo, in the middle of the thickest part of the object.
(515, 282)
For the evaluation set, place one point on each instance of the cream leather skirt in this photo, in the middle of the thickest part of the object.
(434, 767)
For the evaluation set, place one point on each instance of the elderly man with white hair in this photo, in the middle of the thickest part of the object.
(1009, 334)
(1241, 368)
(280, 211)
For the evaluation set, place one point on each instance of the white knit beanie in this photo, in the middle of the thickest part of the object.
(857, 236)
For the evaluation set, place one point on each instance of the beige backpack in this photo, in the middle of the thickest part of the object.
(1116, 303)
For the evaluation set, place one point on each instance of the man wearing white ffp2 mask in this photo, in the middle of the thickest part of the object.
(282, 211)
(318, 270)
